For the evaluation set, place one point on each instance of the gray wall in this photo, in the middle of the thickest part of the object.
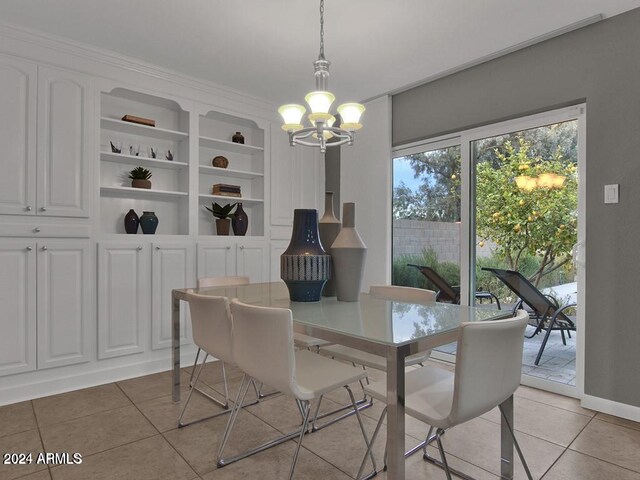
(600, 64)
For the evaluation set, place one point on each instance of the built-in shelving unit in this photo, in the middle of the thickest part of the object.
(228, 146)
(140, 192)
(121, 126)
(141, 161)
(230, 172)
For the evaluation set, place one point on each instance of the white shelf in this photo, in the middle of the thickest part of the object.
(141, 161)
(143, 130)
(228, 146)
(140, 192)
(226, 199)
(230, 172)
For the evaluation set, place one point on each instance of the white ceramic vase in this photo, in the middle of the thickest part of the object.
(329, 227)
(349, 254)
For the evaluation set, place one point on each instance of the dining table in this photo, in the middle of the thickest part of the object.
(391, 329)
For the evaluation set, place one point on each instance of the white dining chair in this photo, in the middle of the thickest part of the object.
(487, 372)
(212, 327)
(212, 282)
(263, 348)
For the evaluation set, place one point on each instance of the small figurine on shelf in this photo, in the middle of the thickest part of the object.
(238, 138)
(169, 155)
(117, 148)
(152, 153)
(140, 177)
(134, 150)
(223, 216)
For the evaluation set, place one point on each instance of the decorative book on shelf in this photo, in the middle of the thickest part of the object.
(142, 121)
(226, 190)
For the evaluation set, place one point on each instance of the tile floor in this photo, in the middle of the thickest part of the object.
(127, 430)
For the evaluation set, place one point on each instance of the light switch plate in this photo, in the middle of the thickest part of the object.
(611, 193)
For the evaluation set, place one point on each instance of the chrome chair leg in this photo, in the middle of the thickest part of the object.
(364, 432)
(516, 444)
(306, 407)
(439, 433)
(194, 365)
(242, 391)
(370, 447)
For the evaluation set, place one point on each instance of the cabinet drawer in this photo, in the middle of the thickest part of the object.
(35, 229)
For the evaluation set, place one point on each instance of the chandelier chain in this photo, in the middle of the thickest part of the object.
(321, 56)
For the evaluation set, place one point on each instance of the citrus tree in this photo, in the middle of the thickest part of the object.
(540, 220)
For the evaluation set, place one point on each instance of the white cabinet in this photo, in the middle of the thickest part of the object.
(171, 268)
(47, 120)
(229, 257)
(46, 288)
(276, 249)
(124, 300)
(18, 136)
(18, 300)
(65, 314)
(65, 125)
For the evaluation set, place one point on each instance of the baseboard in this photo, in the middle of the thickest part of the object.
(610, 407)
(66, 382)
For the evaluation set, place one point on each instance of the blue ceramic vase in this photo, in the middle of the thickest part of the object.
(305, 266)
(149, 223)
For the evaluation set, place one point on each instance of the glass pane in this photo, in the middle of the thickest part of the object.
(426, 219)
(526, 220)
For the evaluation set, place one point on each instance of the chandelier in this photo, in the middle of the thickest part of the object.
(320, 118)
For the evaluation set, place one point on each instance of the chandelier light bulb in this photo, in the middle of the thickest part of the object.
(350, 114)
(292, 116)
(320, 101)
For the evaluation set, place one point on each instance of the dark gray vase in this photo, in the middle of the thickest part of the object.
(131, 222)
(240, 221)
(329, 227)
(304, 265)
(349, 254)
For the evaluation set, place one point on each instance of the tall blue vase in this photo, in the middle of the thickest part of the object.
(149, 223)
(305, 266)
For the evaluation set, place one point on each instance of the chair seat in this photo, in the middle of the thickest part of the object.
(306, 341)
(368, 359)
(317, 375)
(428, 395)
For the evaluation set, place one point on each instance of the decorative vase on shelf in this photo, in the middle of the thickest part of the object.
(149, 223)
(222, 226)
(349, 254)
(131, 222)
(304, 265)
(240, 221)
(237, 138)
(329, 227)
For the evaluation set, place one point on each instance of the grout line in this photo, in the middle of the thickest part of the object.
(40, 435)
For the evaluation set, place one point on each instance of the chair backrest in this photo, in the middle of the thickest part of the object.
(212, 325)
(488, 365)
(262, 345)
(446, 291)
(402, 294)
(222, 281)
(529, 294)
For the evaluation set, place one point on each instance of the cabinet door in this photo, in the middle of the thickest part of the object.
(171, 268)
(65, 125)
(216, 260)
(253, 261)
(123, 299)
(18, 300)
(277, 248)
(65, 312)
(18, 136)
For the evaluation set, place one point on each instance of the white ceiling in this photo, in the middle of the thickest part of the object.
(266, 47)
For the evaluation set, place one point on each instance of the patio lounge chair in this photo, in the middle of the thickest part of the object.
(448, 293)
(547, 314)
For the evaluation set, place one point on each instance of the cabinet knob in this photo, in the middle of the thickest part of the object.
(157, 248)
(139, 247)
(241, 247)
(37, 230)
(43, 209)
(28, 208)
(44, 248)
(29, 248)
(228, 247)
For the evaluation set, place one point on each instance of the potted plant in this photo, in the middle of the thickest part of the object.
(223, 216)
(140, 177)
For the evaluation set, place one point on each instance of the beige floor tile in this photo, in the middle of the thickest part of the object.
(148, 459)
(544, 421)
(212, 372)
(79, 403)
(198, 443)
(41, 475)
(576, 466)
(152, 386)
(274, 464)
(478, 442)
(98, 432)
(609, 442)
(618, 421)
(163, 412)
(26, 443)
(16, 418)
(559, 401)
